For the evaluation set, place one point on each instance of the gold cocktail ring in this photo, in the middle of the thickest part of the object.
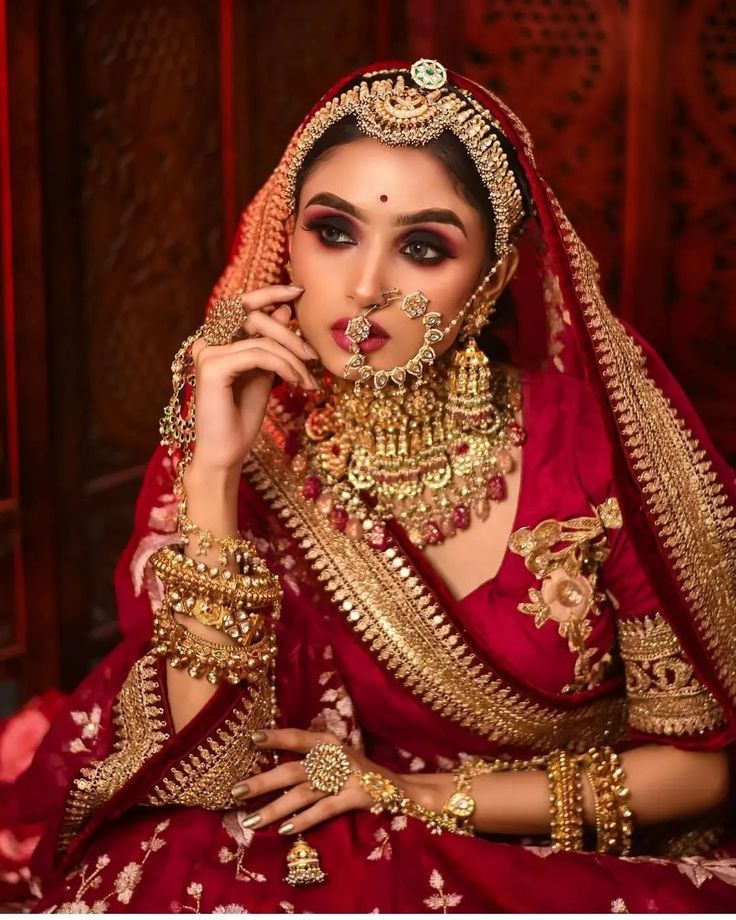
(327, 767)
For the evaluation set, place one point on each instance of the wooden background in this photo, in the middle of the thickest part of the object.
(133, 131)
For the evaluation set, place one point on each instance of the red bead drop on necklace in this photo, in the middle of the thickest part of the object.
(496, 489)
(461, 517)
(312, 487)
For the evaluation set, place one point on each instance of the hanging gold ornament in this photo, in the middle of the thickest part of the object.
(302, 863)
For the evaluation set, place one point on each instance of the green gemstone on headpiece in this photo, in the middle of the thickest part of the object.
(428, 74)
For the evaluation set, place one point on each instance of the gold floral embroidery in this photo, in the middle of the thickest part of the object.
(124, 885)
(205, 777)
(139, 733)
(442, 899)
(684, 494)
(618, 906)
(566, 556)
(665, 696)
(385, 601)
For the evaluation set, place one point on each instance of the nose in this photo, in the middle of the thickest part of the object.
(369, 285)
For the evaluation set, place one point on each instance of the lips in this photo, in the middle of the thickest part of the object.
(377, 338)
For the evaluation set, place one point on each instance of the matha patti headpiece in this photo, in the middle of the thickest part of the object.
(400, 113)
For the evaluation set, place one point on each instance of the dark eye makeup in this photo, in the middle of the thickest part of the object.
(423, 247)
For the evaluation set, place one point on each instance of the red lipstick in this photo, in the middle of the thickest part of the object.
(377, 338)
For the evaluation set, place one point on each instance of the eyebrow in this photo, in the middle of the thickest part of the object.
(427, 215)
(432, 215)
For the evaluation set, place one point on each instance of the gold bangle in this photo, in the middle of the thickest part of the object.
(256, 587)
(614, 819)
(566, 801)
(213, 660)
(230, 548)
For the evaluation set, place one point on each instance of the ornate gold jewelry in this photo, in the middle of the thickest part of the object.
(235, 548)
(223, 323)
(327, 767)
(429, 458)
(414, 304)
(566, 801)
(388, 797)
(213, 660)
(461, 804)
(613, 817)
(303, 866)
(388, 107)
(255, 588)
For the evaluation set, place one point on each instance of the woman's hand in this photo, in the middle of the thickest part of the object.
(310, 805)
(234, 381)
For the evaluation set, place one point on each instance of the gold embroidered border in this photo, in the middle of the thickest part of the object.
(665, 696)
(139, 733)
(204, 778)
(386, 603)
(688, 503)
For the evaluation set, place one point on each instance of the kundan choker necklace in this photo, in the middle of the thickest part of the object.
(429, 455)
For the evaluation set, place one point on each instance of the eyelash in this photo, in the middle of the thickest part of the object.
(428, 240)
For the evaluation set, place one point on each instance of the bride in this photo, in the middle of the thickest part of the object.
(437, 560)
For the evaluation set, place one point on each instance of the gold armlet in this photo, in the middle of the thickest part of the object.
(613, 818)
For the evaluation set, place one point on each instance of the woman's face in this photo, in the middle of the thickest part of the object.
(371, 218)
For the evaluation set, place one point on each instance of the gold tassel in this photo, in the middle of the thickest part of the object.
(471, 402)
(302, 863)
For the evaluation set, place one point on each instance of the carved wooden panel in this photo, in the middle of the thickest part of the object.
(296, 51)
(699, 336)
(146, 95)
(560, 65)
(135, 239)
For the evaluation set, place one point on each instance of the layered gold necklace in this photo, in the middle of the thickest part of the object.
(428, 455)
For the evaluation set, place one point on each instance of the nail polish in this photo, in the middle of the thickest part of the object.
(258, 736)
(250, 822)
(286, 828)
(240, 790)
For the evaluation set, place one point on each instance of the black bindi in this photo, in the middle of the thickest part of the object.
(384, 197)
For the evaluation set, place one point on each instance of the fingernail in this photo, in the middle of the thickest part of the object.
(286, 828)
(297, 287)
(308, 350)
(250, 822)
(258, 736)
(240, 789)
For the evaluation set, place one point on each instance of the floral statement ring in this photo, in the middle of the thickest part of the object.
(327, 767)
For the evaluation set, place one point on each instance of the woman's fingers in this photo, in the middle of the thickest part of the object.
(225, 368)
(283, 806)
(325, 807)
(293, 739)
(237, 357)
(265, 296)
(263, 324)
(285, 774)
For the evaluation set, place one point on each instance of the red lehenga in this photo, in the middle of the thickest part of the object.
(373, 647)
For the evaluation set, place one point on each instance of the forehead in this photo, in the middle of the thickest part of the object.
(363, 170)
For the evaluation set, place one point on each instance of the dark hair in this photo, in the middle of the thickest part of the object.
(449, 150)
